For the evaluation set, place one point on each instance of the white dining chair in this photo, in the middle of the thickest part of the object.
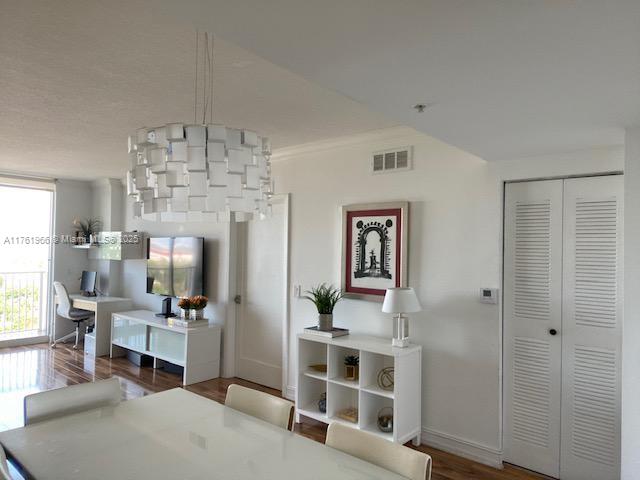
(67, 400)
(269, 408)
(4, 466)
(389, 455)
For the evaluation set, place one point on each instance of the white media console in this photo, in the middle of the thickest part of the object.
(363, 394)
(196, 349)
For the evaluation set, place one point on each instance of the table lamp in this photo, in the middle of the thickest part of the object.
(400, 301)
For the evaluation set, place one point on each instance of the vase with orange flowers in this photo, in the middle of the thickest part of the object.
(192, 308)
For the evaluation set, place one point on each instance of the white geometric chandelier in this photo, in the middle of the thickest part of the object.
(199, 171)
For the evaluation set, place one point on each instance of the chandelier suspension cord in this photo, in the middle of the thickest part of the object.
(211, 79)
(195, 88)
(204, 77)
(207, 78)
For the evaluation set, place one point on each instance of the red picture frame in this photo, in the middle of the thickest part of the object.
(374, 249)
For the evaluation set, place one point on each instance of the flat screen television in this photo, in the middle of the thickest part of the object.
(175, 266)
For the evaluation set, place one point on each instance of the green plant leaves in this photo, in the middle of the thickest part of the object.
(324, 297)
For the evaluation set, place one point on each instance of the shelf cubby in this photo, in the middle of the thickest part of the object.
(337, 369)
(311, 391)
(340, 398)
(371, 365)
(370, 406)
(311, 353)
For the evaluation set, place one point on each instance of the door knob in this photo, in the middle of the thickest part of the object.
(553, 331)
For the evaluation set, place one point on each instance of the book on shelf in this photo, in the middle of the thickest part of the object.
(335, 332)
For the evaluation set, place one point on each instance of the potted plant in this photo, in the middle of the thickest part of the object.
(324, 297)
(192, 307)
(352, 367)
(89, 227)
(185, 306)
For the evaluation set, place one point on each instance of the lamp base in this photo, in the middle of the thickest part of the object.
(400, 331)
(400, 342)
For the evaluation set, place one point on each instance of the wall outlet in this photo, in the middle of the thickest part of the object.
(297, 291)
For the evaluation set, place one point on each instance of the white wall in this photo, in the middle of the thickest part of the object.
(216, 235)
(454, 250)
(73, 199)
(631, 327)
(107, 198)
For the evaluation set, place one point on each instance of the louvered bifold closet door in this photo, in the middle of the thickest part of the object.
(532, 307)
(591, 335)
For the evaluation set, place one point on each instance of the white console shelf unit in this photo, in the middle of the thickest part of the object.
(196, 349)
(364, 394)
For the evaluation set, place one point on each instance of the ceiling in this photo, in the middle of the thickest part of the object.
(503, 78)
(78, 76)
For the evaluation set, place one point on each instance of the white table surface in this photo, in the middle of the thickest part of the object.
(96, 298)
(175, 435)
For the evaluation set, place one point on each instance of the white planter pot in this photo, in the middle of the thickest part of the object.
(191, 314)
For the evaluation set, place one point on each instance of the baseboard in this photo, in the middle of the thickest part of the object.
(463, 448)
(290, 392)
(20, 342)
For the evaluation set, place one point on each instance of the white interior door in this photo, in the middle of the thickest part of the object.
(591, 328)
(532, 311)
(263, 286)
(562, 326)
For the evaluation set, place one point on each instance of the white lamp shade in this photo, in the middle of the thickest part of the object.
(401, 300)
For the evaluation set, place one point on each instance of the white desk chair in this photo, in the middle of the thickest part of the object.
(4, 467)
(66, 310)
(73, 399)
(274, 410)
(373, 449)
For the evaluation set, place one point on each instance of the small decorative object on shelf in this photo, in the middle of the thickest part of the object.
(324, 297)
(386, 378)
(89, 227)
(191, 308)
(322, 403)
(385, 419)
(352, 368)
(319, 367)
(349, 414)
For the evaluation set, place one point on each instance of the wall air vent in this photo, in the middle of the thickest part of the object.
(394, 160)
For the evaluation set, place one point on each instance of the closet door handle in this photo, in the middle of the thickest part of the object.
(553, 331)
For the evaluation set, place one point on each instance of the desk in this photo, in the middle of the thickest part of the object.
(98, 342)
(176, 434)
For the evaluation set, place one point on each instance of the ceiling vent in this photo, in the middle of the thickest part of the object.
(394, 160)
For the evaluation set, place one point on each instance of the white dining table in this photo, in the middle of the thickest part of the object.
(175, 435)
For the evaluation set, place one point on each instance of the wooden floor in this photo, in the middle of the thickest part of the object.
(25, 370)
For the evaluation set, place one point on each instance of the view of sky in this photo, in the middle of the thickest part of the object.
(25, 218)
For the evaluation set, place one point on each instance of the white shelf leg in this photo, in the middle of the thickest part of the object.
(415, 441)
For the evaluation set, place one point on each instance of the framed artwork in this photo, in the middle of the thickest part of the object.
(374, 249)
